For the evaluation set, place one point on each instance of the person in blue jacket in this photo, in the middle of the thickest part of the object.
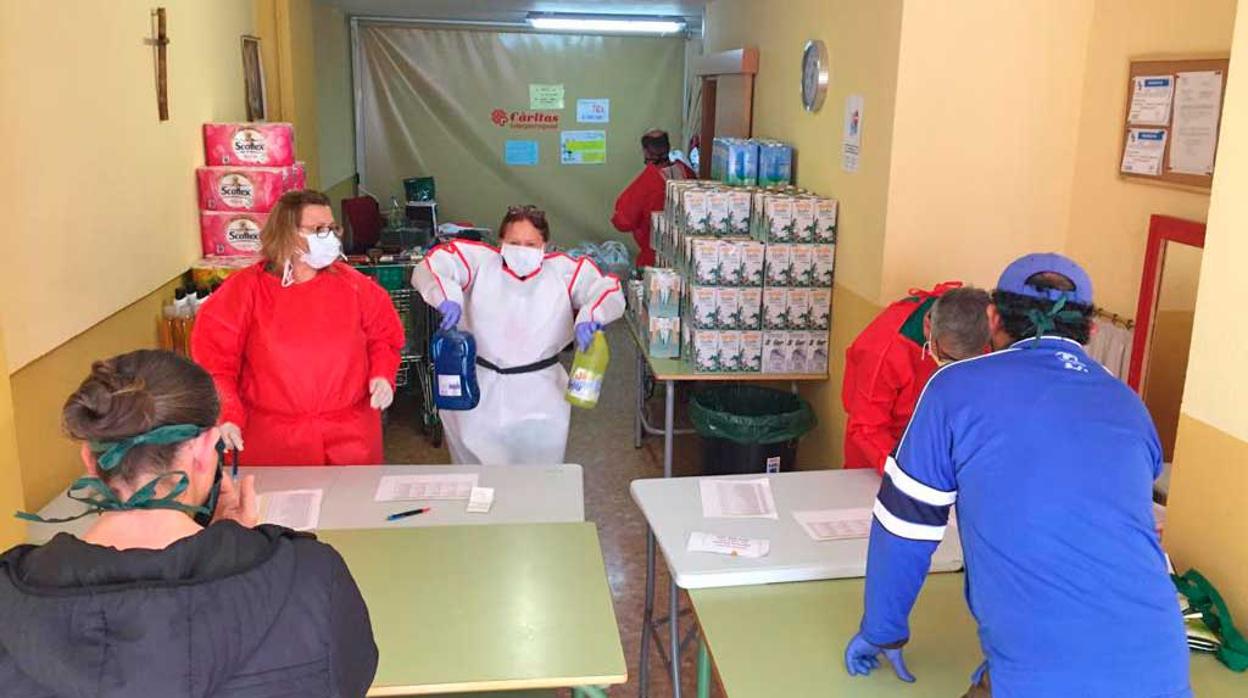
(1050, 461)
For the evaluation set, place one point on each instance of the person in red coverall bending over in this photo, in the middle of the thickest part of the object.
(303, 349)
(646, 192)
(889, 363)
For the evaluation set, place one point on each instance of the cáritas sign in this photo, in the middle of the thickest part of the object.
(525, 119)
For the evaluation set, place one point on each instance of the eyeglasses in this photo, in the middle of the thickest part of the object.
(322, 231)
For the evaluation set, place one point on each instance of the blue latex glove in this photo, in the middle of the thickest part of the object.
(585, 334)
(450, 314)
(862, 657)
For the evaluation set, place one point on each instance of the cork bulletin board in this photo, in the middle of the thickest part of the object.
(1171, 122)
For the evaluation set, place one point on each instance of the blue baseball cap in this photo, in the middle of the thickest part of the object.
(1014, 278)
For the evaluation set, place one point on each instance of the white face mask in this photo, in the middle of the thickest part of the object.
(522, 260)
(322, 251)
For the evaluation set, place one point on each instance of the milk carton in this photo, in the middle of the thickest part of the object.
(779, 263)
(799, 311)
(249, 144)
(802, 261)
(820, 308)
(817, 362)
(825, 260)
(776, 309)
(656, 231)
(753, 256)
(243, 188)
(664, 337)
(799, 352)
(706, 351)
(751, 308)
(662, 287)
(728, 308)
(720, 217)
(779, 223)
(730, 356)
(775, 352)
(752, 351)
(825, 215)
(804, 220)
(230, 234)
(696, 212)
(739, 206)
(705, 261)
(704, 307)
(730, 263)
(775, 164)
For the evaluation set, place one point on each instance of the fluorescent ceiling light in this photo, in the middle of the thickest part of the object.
(606, 23)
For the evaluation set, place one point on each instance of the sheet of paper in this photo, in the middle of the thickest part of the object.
(835, 524)
(1151, 96)
(545, 96)
(520, 153)
(851, 137)
(737, 499)
(732, 546)
(583, 147)
(394, 488)
(593, 111)
(480, 500)
(1144, 152)
(295, 509)
(1194, 134)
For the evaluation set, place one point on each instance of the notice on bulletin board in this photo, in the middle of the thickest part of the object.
(1151, 96)
(583, 147)
(593, 111)
(851, 138)
(549, 97)
(520, 153)
(1194, 138)
(1144, 152)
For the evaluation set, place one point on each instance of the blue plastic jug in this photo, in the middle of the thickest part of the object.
(454, 370)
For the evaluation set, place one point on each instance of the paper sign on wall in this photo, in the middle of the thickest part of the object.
(520, 153)
(593, 111)
(1150, 100)
(1144, 151)
(1197, 104)
(851, 138)
(545, 96)
(583, 147)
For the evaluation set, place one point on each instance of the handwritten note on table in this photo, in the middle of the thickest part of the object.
(394, 488)
(299, 510)
(835, 524)
(737, 499)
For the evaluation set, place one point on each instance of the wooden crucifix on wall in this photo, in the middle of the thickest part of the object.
(161, 43)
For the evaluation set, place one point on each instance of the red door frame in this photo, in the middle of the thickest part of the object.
(1161, 229)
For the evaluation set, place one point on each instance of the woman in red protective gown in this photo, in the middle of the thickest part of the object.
(303, 349)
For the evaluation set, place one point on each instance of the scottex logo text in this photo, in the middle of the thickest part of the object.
(540, 120)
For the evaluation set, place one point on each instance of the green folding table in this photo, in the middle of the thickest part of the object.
(486, 608)
(789, 640)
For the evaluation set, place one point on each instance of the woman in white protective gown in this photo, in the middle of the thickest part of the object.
(523, 306)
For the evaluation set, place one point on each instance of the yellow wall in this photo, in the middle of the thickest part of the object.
(862, 40)
(99, 195)
(12, 529)
(984, 138)
(49, 460)
(335, 110)
(288, 46)
(1205, 525)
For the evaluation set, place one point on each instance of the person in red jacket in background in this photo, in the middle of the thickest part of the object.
(303, 349)
(646, 192)
(890, 361)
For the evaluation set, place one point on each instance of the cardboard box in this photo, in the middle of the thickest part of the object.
(751, 351)
(230, 234)
(730, 356)
(663, 287)
(825, 214)
(705, 261)
(820, 308)
(751, 308)
(802, 261)
(706, 351)
(753, 259)
(779, 263)
(825, 263)
(254, 189)
(664, 337)
(776, 309)
(249, 144)
(804, 221)
(728, 308)
(799, 310)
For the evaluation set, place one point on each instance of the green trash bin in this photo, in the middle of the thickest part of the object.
(749, 429)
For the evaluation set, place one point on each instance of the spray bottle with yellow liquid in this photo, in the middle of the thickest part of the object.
(588, 369)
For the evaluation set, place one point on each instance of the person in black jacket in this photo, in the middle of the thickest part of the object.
(151, 603)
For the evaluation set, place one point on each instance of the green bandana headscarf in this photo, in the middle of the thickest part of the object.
(1046, 322)
(99, 497)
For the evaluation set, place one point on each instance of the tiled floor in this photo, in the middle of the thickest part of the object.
(601, 440)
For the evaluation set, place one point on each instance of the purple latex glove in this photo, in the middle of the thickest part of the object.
(585, 334)
(862, 657)
(450, 314)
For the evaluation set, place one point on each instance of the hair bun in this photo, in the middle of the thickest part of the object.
(109, 405)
